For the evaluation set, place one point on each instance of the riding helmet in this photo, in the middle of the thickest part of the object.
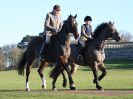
(87, 18)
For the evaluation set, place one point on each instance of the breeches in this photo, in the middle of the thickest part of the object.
(82, 43)
(48, 36)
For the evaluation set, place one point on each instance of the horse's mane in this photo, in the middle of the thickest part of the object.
(99, 29)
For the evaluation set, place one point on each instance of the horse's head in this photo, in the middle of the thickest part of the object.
(112, 32)
(71, 26)
(106, 30)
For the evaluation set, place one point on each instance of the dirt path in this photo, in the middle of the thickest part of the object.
(109, 92)
(101, 93)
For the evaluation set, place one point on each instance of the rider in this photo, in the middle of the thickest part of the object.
(86, 33)
(53, 25)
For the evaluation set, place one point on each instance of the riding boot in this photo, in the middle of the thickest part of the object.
(80, 56)
(43, 51)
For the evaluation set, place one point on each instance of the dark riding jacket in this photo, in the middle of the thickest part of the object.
(86, 32)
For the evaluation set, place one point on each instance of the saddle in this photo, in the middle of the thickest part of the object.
(52, 41)
(55, 45)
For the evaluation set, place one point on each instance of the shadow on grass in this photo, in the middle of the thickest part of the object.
(114, 64)
(119, 64)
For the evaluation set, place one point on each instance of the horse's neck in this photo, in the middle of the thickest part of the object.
(64, 36)
(100, 41)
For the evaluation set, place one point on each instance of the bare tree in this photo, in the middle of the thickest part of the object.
(2, 60)
(11, 56)
(14, 57)
(126, 36)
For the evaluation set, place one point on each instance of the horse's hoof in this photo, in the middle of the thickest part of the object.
(27, 89)
(102, 89)
(72, 88)
(99, 87)
(54, 89)
(43, 87)
(64, 85)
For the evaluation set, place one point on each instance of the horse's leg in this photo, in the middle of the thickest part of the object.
(95, 74)
(55, 79)
(53, 83)
(71, 82)
(64, 63)
(72, 71)
(73, 68)
(56, 76)
(28, 68)
(104, 73)
(27, 77)
(40, 71)
(64, 79)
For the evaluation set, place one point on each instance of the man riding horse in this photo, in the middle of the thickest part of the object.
(53, 25)
(58, 53)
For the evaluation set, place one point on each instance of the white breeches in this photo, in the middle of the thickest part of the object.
(48, 36)
(82, 43)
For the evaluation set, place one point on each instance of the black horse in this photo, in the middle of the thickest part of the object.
(93, 53)
(58, 52)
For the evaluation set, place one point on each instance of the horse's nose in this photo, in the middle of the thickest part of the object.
(118, 39)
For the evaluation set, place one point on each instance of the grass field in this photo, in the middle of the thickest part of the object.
(119, 76)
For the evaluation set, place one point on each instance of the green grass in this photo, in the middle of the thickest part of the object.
(32, 95)
(120, 76)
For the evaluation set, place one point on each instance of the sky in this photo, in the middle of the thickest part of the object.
(19, 18)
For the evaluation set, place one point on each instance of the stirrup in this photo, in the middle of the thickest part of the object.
(41, 58)
(80, 57)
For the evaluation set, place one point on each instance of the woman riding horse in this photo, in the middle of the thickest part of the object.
(93, 53)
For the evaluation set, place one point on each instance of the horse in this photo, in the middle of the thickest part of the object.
(57, 52)
(93, 53)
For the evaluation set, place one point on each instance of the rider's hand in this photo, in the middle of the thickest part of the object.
(55, 30)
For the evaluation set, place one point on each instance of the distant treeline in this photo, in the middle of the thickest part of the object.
(11, 54)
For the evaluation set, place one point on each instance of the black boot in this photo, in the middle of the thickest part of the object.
(43, 51)
(80, 56)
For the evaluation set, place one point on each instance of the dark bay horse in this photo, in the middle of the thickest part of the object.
(93, 52)
(57, 52)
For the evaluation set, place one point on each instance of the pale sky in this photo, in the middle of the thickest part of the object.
(19, 18)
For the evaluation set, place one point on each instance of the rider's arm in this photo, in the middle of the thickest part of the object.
(47, 24)
(83, 32)
(60, 27)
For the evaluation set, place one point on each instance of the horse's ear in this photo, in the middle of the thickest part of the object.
(109, 22)
(70, 15)
(75, 16)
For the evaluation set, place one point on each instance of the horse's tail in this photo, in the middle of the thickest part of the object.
(56, 71)
(21, 64)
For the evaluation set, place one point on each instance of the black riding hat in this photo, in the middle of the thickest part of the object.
(87, 18)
